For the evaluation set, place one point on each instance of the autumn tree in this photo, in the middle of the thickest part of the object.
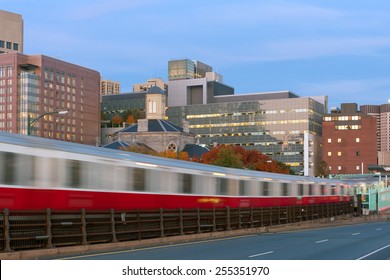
(174, 155)
(116, 120)
(238, 157)
(223, 155)
(130, 119)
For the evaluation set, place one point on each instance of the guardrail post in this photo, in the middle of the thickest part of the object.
(84, 227)
(161, 222)
(251, 216)
(181, 221)
(214, 220)
(7, 238)
(48, 228)
(198, 219)
(113, 230)
(228, 218)
(239, 218)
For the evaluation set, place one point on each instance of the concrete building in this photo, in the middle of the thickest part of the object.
(349, 140)
(36, 85)
(155, 82)
(109, 87)
(11, 32)
(382, 115)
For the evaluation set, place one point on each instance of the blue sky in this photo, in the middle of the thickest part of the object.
(311, 47)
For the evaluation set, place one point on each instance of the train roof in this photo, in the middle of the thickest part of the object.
(75, 148)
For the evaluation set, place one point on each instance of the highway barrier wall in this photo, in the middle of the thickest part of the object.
(29, 230)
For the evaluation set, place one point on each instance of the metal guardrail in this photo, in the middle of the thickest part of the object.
(25, 230)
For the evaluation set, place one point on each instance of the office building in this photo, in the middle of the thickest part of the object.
(11, 32)
(109, 87)
(279, 124)
(187, 69)
(382, 115)
(36, 85)
(349, 140)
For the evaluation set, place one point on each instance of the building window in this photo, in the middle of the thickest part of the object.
(357, 167)
(357, 140)
(339, 167)
(16, 47)
(9, 45)
(339, 140)
(328, 119)
(330, 168)
(2, 44)
(339, 154)
(358, 153)
(329, 140)
(152, 106)
(329, 154)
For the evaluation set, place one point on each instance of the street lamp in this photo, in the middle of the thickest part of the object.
(30, 123)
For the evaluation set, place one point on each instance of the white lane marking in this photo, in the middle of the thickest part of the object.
(321, 241)
(266, 253)
(373, 252)
(378, 229)
(356, 233)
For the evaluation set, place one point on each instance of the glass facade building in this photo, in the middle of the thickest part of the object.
(187, 69)
(287, 129)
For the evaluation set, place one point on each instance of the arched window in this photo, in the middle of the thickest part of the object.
(152, 106)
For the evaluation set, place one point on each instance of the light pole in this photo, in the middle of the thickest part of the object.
(30, 123)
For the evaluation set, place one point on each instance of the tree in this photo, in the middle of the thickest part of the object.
(174, 155)
(322, 169)
(238, 157)
(223, 156)
(116, 120)
(130, 119)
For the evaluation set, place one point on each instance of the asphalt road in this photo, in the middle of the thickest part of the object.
(363, 241)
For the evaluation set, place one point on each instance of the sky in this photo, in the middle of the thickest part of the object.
(311, 47)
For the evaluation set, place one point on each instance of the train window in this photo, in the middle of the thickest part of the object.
(222, 186)
(74, 174)
(322, 189)
(284, 189)
(139, 179)
(265, 189)
(16, 169)
(333, 190)
(241, 187)
(311, 189)
(300, 190)
(342, 190)
(186, 180)
(8, 168)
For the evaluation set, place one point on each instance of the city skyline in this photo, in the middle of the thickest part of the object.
(308, 47)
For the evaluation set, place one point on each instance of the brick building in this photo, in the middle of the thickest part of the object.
(349, 140)
(34, 85)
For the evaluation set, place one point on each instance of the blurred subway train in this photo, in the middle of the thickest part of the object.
(39, 173)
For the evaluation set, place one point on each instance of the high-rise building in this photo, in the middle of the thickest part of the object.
(109, 87)
(11, 32)
(349, 140)
(155, 82)
(37, 86)
(382, 115)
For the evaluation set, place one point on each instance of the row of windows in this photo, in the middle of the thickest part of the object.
(19, 169)
(342, 118)
(339, 153)
(339, 140)
(339, 168)
(235, 114)
(9, 45)
(6, 70)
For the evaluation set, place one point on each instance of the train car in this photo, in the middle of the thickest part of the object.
(39, 173)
